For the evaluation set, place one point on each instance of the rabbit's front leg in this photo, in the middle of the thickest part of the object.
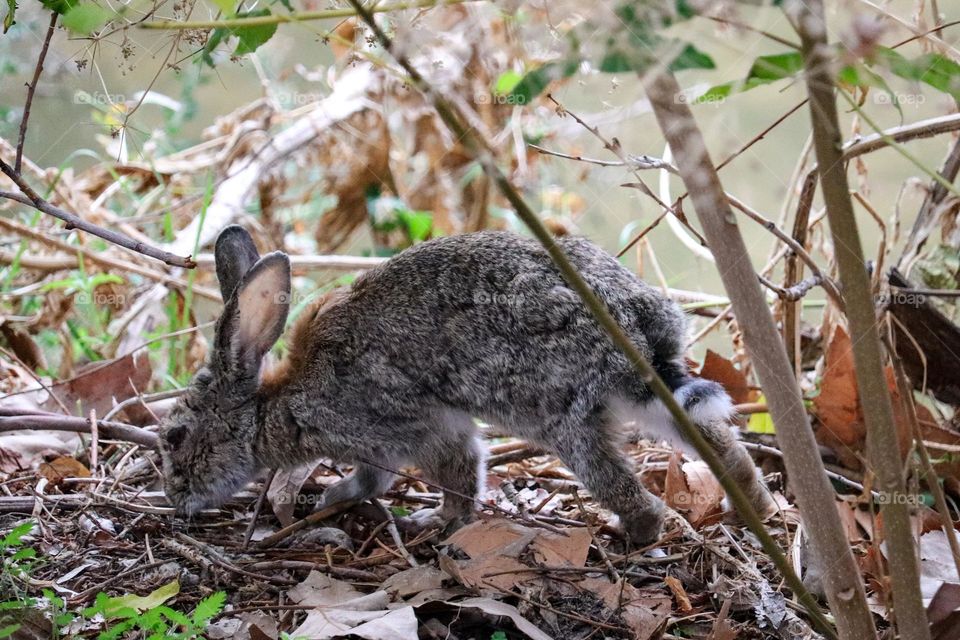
(363, 483)
(454, 459)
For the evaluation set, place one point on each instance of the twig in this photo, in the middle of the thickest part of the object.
(316, 516)
(214, 556)
(75, 222)
(109, 430)
(392, 530)
(142, 399)
(261, 499)
(32, 87)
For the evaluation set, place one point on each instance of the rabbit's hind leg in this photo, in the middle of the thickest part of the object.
(454, 459)
(363, 483)
(592, 450)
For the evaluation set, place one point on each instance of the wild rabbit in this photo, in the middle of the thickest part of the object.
(394, 371)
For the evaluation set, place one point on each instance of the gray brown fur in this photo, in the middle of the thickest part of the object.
(394, 370)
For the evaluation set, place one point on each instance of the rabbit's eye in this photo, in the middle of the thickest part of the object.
(175, 435)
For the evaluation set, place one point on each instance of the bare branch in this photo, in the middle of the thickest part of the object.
(73, 221)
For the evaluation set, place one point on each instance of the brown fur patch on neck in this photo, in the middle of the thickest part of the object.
(277, 375)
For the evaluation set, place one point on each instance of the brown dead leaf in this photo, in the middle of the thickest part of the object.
(838, 407)
(719, 369)
(496, 546)
(692, 489)
(679, 594)
(97, 385)
(63, 467)
(414, 580)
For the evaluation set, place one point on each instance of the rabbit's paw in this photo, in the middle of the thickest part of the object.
(320, 537)
(425, 519)
(643, 527)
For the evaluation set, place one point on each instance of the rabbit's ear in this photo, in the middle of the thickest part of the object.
(254, 316)
(235, 254)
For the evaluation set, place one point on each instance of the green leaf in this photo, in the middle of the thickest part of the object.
(533, 83)
(400, 511)
(417, 224)
(251, 38)
(764, 70)
(9, 19)
(931, 69)
(9, 630)
(692, 58)
(60, 6)
(761, 422)
(16, 536)
(86, 18)
(209, 607)
(121, 606)
(506, 83)
(226, 6)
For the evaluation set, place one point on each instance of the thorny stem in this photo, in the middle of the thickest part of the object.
(449, 114)
(883, 450)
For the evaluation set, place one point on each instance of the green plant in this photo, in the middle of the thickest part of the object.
(151, 617)
(17, 561)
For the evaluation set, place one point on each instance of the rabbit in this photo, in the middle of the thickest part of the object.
(394, 371)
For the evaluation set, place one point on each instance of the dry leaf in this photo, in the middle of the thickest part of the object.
(719, 369)
(63, 467)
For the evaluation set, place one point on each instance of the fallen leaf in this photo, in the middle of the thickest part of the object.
(679, 594)
(319, 589)
(98, 385)
(719, 369)
(63, 467)
(285, 490)
(414, 580)
(142, 603)
(396, 624)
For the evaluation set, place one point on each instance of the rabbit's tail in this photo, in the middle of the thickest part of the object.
(713, 413)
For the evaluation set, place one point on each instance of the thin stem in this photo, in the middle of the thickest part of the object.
(302, 16)
(31, 89)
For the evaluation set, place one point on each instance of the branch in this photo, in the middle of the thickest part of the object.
(31, 88)
(303, 16)
(73, 221)
(883, 450)
(737, 495)
(54, 422)
(842, 582)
